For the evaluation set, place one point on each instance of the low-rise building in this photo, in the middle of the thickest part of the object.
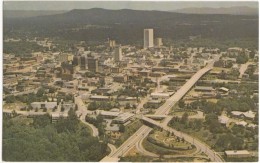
(99, 98)
(237, 154)
(120, 78)
(123, 118)
(47, 105)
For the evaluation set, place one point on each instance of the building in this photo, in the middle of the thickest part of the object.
(64, 57)
(158, 42)
(93, 64)
(112, 43)
(47, 105)
(99, 98)
(148, 38)
(109, 114)
(120, 78)
(118, 54)
(160, 95)
(76, 60)
(123, 118)
(237, 154)
(83, 63)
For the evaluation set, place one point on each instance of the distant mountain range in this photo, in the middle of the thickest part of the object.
(127, 25)
(242, 10)
(27, 14)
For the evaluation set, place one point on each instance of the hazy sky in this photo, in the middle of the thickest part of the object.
(155, 5)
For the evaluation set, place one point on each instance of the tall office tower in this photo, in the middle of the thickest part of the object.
(112, 43)
(76, 60)
(148, 38)
(93, 64)
(83, 63)
(158, 42)
(118, 54)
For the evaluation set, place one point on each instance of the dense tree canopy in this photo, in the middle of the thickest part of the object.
(41, 140)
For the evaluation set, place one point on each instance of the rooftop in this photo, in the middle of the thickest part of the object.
(239, 152)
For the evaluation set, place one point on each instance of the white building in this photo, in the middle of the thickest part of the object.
(237, 153)
(47, 105)
(148, 38)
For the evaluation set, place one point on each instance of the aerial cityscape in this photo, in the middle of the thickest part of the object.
(130, 81)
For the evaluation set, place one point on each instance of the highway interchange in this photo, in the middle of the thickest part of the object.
(143, 131)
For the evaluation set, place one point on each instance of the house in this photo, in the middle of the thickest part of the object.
(248, 114)
(237, 154)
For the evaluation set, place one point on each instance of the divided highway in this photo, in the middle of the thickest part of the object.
(164, 109)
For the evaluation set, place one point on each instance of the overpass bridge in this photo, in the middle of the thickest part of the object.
(143, 131)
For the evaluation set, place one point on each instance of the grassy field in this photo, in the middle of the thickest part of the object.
(161, 143)
(180, 113)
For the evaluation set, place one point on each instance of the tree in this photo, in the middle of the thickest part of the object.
(41, 120)
(121, 128)
(93, 106)
(40, 92)
(184, 118)
(10, 99)
(181, 104)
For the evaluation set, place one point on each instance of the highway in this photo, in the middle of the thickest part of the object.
(164, 109)
(199, 145)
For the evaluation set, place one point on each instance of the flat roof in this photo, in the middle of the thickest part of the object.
(97, 96)
(109, 113)
(124, 116)
(237, 152)
(160, 94)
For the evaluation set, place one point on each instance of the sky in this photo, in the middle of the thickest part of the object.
(137, 5)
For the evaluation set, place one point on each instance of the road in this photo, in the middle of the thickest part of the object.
(140, 105)
(243, 69)
(24, 92)
(199, 145)
(82, 112)
(143, 131)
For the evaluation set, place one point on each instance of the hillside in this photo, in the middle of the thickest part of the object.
(127, 25)
(242, 10)
(27, 14)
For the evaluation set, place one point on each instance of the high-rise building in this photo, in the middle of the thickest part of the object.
(83, 63)
(112, 43)
(76, 60)
(118, 54)
(148, 38)
(158, 42)
(93, 64)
